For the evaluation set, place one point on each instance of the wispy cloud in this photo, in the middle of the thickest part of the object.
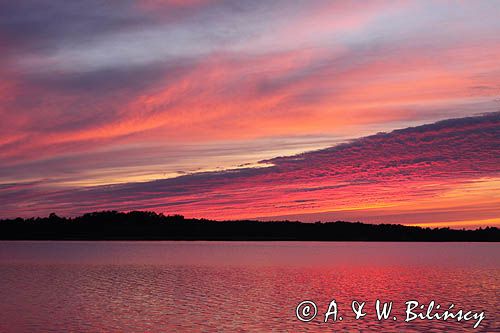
(451, 162)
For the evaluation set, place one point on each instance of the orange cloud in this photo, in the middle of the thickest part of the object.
(417, 171)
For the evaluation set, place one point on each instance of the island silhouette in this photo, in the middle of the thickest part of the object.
(145, 225)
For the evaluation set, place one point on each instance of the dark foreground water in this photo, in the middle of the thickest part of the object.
(241, 287)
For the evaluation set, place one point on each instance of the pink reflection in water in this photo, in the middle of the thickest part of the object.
(238, 287)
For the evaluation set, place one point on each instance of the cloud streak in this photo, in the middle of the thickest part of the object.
(452, 162)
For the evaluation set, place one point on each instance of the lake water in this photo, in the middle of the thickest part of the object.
(240, 286)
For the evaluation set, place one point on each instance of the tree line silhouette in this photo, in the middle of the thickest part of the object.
(144, 225)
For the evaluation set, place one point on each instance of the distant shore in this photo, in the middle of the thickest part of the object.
(139, 225)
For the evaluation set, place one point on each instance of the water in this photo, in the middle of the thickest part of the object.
(240, 287)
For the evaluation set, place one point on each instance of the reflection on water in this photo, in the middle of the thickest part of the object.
(238, 287)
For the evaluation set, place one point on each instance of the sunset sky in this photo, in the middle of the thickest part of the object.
(377, 111)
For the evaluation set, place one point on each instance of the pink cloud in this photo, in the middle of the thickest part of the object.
(452, 161)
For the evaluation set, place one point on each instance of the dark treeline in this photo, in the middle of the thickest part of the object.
(112, 225)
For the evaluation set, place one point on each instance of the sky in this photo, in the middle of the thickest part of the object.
(379, 111)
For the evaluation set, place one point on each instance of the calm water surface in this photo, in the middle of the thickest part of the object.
(239, 286)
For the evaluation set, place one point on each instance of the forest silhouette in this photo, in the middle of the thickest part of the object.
(144, 225)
